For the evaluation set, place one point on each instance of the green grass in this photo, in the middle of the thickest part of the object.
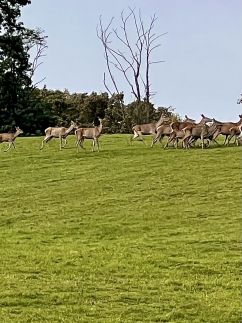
(130, 234)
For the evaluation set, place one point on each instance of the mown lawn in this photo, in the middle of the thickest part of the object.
(130, 234)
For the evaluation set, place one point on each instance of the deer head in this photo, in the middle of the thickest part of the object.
(74, 125)
(205, 119)
(18, 131)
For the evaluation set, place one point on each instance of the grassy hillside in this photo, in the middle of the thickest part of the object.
(130, 234)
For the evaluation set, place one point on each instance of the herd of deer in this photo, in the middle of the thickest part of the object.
(61, 133)
(188, 131)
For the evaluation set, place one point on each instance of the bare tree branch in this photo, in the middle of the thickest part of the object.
(103, 36)
(134, 57)
(104, 82)
(35, 41)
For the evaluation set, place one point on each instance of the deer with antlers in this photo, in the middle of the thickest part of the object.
(58, 132)
(89, 133)
(10, 138)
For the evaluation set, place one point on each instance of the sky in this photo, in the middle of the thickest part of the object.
(201, 50)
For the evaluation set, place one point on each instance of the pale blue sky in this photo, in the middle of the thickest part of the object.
(202, 50)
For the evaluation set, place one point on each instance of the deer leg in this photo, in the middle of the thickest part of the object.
(65, 142)
(229, 138)
(160, 139)
(141, 137)
(172, 137)
(192, 141)
(236, 141)
(60, 137)
(45, 140)
(97, 143)
(175, 142)
(185, 140)
(226, 137)
(9, 146)
(156, 138)
(153, 142)
(42, 145)
(136, 135)
(208, 143)
(79, 143)
(93, 144)
(215, 135)
(202, 140)
(215, 141)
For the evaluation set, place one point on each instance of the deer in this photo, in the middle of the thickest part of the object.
(239, 137)
(177, 129)
(165, 130)
(58, 132)
(147, 129)
(10, 138)
(224, 128)
(201, 131)
(235, 131)
(89, 133)
(161, 131)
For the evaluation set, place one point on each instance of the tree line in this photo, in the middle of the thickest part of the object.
(24, 104)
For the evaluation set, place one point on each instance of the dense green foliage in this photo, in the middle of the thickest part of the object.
(60, 107)
(16, 70)
(130, 234)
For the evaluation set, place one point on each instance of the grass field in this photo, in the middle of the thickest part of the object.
(129, 234)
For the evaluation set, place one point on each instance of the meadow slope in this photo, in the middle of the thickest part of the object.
(129, 234)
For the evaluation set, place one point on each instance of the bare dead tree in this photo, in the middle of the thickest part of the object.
(133, 56)
(149, 41)
(36, 44)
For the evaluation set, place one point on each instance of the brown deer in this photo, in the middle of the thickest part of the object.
(177, 129)
(225, 129)
(10, 138)
(58, 132)
(202, 131)
(89, 133)
(235, 131)
(165, 130)
(147, 129)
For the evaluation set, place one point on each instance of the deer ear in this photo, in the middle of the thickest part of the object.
(203, 115)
